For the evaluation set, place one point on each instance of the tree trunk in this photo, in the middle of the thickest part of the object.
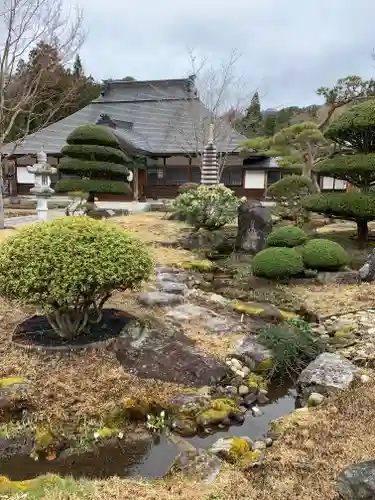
(362, 232)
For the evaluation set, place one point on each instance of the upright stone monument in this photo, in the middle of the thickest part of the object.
(254, 225)
(42, 183)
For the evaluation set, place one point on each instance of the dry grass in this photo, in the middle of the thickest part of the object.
(153, 228)
(329, 300)
(4, 233)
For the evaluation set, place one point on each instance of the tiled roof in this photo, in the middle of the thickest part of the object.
(163, 115)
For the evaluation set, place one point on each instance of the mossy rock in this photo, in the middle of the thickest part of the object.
(106, 432)
(264, 366)
(203, 266)
(286, 315)
(28, 486)
(238, 449)
(256, 380)
(137, 409)
(185, 426)
(251, 459)
(221, 409)
(257, 310)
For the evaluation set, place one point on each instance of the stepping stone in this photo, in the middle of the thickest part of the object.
(171, 287)
(158, 298)
(187, 312)
(218, 324)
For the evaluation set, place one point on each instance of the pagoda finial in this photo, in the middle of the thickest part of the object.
(211, 134)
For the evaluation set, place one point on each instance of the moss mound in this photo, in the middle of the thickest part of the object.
(324, 254)
(277, 262)
(288, 236)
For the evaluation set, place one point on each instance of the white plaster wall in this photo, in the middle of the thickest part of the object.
(24, 177)
(254, 179)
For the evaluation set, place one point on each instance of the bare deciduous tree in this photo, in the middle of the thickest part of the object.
(24, 24)
(224, 93)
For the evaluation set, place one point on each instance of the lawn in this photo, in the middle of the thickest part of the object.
(67, 390)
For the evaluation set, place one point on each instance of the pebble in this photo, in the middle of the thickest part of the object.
(236, 364)
(240, 373)
(371, 331)
(262, 399)
(269, 442)
(257, 412)
(250, 399)
(246, 370)
(259, 445)
(315, 399)
(243, 390)
(365, 378)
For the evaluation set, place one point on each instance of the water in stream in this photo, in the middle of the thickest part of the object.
(144, 457)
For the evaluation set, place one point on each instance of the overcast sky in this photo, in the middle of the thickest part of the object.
(288, 47)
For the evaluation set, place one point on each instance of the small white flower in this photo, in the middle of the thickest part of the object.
(148, 417)
(96, 435)
(162, 414)
(120, 435)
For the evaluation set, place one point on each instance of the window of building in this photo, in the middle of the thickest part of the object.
(273, 176)
(154, 178)
(195, 175)
(232, 176)
(254, 179)
(329, 183)
(176, 176)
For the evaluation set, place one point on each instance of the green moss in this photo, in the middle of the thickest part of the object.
(250, 458)
(247, 309)
(343, 334)
(256, 380)
(43, 439)
(224, 404)
(203, 266)
(9, 381)
(220, 409)
(106, 432)
(238, 449)
(43, 486)
(265, 365)
(285, 315)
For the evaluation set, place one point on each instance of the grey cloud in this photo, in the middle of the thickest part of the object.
(289, 47)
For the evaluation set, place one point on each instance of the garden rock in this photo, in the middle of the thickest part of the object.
(328, 373)
(197, 464)
(340, 278)
(254, 225)
(357, 482)
(171, 287)
(367, 271)
(187, 312)
(315, 399)
(159, 299)
(251, 353)
(163, 352)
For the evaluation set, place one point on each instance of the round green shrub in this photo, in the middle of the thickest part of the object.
(277, 262)
(288, 236)
(70, 267)
(324, 254)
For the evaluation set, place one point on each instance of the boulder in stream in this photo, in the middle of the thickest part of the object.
(357, 482)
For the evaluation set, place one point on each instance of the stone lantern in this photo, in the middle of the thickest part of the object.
(42, 183)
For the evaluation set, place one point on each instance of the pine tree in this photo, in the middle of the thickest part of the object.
(253, 117)
(269, 125)
(93, 155)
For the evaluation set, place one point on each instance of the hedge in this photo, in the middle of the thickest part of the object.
(324, 254)
(92, 134)
(85, 167)
(288, 236)
(277, 262)
(93, 185)
(351, 206)
(95, 152)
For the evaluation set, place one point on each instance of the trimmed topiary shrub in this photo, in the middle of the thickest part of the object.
(70, 267)
(277, 262)
(207, 207)
(188, 186)
(93, 154)
(288, 236)
(324, 254)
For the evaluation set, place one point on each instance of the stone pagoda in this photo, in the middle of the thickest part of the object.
(210, 165)
(42, 183)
